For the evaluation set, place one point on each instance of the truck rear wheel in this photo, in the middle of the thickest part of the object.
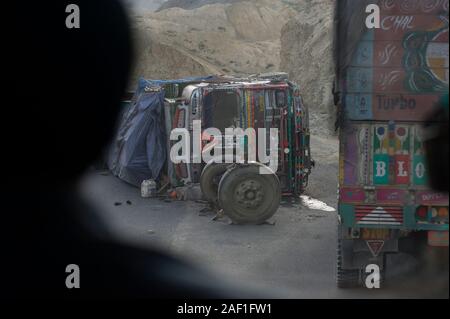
(345, 278)
(210, 179)
(248, 197)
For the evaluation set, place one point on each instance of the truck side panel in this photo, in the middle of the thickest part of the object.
(390, 81)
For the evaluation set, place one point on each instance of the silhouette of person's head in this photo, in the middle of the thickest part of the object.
(437, 146)
(67, 86)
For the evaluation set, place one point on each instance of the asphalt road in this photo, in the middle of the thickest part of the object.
(294, 258)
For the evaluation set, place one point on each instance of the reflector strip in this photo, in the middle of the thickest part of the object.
(376, 215)
(375, 246)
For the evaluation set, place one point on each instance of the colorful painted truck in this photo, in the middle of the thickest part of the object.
(143, 145)
(388, 80)
(263, 101)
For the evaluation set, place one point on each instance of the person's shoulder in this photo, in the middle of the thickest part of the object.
(114, 269)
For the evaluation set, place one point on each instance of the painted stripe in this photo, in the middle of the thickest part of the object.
(379, 219)
(378, 223)
(379, 213)
(378, 208)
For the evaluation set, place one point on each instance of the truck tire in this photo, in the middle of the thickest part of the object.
(248, 197)
(345, 278)
(353, 278)
(210, 179)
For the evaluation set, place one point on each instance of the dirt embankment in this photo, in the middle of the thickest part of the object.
(243, 37)
(237, 38)
(307, 55)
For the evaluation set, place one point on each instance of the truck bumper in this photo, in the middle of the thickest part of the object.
(358, 253)
(438, 238)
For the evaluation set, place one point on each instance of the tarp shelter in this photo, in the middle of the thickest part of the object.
(138, 151)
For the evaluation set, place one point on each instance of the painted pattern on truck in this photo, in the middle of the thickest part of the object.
(396, 152)
(399, 71)
(395, 77)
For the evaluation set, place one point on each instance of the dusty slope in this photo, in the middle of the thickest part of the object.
(144, 5)
(158, 60)
(191, 4)
(307, 54)
(243, 37)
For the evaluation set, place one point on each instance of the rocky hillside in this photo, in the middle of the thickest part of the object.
(144, 5)
(230, 38)
(307, 55)
(191, 4)
(198, 37)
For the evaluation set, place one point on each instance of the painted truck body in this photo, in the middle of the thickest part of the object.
(242, 103)
(176, 132)
(388, 80)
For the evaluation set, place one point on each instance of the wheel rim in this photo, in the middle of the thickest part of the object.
(249, 193)
(248, 197)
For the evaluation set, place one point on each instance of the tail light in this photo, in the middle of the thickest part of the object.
(432, 214)
(422, 213)
(443, 212)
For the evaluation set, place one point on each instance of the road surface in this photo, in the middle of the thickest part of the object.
(294, 258)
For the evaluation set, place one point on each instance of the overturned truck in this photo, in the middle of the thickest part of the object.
(175, 132)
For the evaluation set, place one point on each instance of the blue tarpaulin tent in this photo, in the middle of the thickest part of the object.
(143, 83)
(138, 151)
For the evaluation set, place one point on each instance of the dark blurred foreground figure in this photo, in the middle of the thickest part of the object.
(437, 146)
(67, 85)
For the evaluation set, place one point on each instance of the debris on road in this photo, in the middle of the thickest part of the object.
(148, 188)
(190, 192)
(270, 222)
(206, 211)
(313, 217)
